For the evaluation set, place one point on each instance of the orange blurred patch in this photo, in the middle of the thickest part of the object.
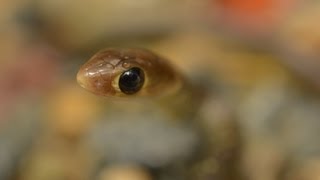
(71, 110)
(248, 7)
(252, 15)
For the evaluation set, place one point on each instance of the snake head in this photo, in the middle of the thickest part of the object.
(127, 72)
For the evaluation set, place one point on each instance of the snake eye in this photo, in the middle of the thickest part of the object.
(131, 80)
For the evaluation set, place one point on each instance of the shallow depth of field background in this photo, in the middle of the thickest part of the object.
(261, 57)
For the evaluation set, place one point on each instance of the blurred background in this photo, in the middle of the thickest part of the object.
(259, 59)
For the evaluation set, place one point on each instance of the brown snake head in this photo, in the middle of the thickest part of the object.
(127, 72)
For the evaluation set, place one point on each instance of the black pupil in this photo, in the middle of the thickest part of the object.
(131, 80)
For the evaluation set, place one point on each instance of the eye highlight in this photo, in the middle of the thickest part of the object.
(131, 81)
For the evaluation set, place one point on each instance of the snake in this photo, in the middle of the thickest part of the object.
(131, 73)
(140, 73)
